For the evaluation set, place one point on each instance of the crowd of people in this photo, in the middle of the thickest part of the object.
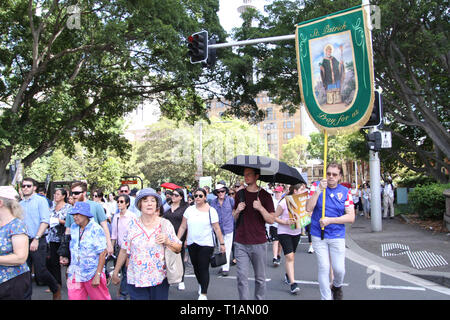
(38, 237)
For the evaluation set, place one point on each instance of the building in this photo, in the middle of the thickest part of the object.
(278, 127)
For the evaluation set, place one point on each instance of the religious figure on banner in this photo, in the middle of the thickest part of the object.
(332, 73)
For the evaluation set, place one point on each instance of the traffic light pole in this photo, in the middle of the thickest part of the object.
(375, 189)
(252, 41)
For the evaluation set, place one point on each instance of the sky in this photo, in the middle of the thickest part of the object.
(230, 17)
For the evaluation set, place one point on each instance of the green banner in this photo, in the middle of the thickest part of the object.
(335, 67)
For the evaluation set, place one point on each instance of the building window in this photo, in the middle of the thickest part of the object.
(288, 135)
(270, 126)
(288, 124)
(270, 114)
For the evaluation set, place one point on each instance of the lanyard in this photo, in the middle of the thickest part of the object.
(80, 235)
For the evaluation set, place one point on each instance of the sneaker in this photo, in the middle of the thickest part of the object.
(294, 288)
(276, 262)
(202, 297)
(310, 250)
(286, 279)
(337, 293)
(181, 286)
(224, 273)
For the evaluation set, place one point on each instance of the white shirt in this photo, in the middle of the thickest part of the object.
(199, 228)
(388, 191)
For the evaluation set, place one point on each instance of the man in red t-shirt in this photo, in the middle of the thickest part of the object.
(250, 241)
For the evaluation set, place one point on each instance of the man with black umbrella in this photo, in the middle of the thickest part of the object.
(253, 208)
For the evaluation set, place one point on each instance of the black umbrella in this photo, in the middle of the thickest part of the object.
(272, 170)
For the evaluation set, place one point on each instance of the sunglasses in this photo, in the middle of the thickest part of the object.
(232, 193)
(120, 201)
(76, 193)
(123, 191)
(329, 174)
(27, 186)
(95, 195)
(221, 191)
(198, 196)
(175, 195)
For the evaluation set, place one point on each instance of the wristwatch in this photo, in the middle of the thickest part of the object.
(37, 237)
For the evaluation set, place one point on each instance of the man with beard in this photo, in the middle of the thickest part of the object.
(79, 193)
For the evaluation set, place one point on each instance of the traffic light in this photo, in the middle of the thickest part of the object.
(211, 53)
(374, 141)
(376, 118)
(198, 47)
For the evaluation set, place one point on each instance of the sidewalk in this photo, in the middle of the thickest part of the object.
(405, 247)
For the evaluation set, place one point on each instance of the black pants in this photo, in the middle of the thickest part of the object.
(17, 288)
(53, 262)
(200, 261)
(38, 259)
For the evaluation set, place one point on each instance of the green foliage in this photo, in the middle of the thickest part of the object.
(65, 86)
(414, 80)
(171, 150)
(294, 151)
(340, 146)
(428, 200)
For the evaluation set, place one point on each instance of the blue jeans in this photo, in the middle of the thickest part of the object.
(159, 292)
(123, 291)
(326, 251)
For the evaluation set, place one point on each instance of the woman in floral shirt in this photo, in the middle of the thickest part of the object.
(144, 245)
(15, 278)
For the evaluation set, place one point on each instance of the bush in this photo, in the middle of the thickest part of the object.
(428, 201)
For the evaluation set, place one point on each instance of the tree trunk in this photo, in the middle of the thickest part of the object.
(5, 158)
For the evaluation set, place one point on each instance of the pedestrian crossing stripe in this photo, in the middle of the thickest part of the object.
(418, 259)
(425, 259)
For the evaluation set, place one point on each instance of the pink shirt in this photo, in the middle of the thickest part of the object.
(286, 229)
(146, 266)
(119, 226)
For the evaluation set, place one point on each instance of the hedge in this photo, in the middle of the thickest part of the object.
(428, 201)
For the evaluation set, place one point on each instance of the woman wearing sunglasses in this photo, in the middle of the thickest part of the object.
(200, 220)
(119, 229)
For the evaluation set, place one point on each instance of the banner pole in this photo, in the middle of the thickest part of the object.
(325, 156)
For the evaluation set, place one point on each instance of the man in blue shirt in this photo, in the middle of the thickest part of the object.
(339, 210)
(224, 205)
(37, 219)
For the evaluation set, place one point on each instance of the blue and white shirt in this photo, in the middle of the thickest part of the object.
(85, 252)
(337, 199)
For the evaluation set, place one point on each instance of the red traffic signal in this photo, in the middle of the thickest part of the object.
(198, 47)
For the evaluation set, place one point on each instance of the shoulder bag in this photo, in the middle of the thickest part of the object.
(174, 263)
(217, 259)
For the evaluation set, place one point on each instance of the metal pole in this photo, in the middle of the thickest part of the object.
(374, 162)
(252, 41)
(375, 190)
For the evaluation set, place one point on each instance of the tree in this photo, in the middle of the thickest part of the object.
(170, 152)
(100, 169)
(411, 60)
(294, 151)
(64, 82)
